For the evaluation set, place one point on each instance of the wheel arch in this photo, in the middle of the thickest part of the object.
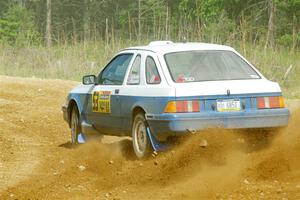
(71, 105)
(135, 111)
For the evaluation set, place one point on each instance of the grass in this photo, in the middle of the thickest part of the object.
(73, 61)
(274, 64)
(62, 62)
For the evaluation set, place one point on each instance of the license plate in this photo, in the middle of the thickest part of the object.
(228, 105)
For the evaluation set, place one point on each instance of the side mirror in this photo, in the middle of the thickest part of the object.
(89, 79)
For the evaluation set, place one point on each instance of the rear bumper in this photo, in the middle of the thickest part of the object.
(165, 125)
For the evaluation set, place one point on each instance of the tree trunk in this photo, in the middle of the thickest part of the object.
(243, 27)
(270, 33)
(158, 27)
(106, 32)
(139, 21)
(112, 38)
(21, 3)
(48, 25)
(154, 24)
(199, 37)
(86, 22)
(129, 26)
(294, 33)
(167, 23)
(74, 31)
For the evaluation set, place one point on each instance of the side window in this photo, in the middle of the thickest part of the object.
(114, 72)
(134, 74)
(152, 75)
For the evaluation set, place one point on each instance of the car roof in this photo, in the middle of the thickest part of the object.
(163, 47)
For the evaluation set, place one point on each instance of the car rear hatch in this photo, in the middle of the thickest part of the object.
(227, 96)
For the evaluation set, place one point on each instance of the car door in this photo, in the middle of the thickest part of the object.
(103, 110)
(132, 92)
(146, 88)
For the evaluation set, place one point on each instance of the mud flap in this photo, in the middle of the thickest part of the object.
(157, 145)
(81, 138)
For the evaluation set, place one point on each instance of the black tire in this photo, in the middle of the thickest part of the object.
(140, 140)
(75, 125)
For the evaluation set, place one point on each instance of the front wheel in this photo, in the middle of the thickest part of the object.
(75, 127)
(140, 140)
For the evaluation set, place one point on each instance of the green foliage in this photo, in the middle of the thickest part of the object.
(289, 7)
(209, 10)
(287, 40)
(221, 31)
(220, 21)
(8, 30)
(17, 27)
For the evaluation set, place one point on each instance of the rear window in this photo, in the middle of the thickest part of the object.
(195, 66)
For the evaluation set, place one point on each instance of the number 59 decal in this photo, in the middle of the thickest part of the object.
(101, 101)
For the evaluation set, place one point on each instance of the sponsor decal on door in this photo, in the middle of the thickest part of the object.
(101, 101)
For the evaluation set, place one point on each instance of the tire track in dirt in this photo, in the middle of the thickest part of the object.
(234, 165)
(23, 107)
(13, 164)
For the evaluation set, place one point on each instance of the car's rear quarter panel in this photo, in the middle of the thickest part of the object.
(151, 99)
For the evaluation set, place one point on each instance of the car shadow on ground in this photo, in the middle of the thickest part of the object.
(68, 145)
(124, 145)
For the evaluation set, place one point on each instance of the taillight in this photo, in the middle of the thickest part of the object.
(270, 102)
(182, 107)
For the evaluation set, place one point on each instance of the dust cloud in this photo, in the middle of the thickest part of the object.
(194, 171)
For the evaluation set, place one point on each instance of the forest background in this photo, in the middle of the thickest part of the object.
(66, 39)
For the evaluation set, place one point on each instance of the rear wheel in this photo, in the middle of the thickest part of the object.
(75, 127)
(140, 140)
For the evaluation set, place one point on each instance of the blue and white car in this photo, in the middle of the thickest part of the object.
(167, 89)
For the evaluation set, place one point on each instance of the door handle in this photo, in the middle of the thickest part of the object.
(117, 91)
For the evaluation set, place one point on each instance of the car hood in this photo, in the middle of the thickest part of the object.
(206, 88)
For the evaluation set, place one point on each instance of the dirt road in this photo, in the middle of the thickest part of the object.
(38, 162)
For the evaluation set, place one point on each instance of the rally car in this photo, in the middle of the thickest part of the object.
(155, 92)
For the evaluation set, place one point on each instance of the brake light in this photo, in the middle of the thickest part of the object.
(182, 107)
(270, 102)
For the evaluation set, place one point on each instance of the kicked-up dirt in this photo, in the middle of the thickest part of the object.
(37, 160)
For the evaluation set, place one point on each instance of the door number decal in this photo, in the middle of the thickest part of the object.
(101, 101)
